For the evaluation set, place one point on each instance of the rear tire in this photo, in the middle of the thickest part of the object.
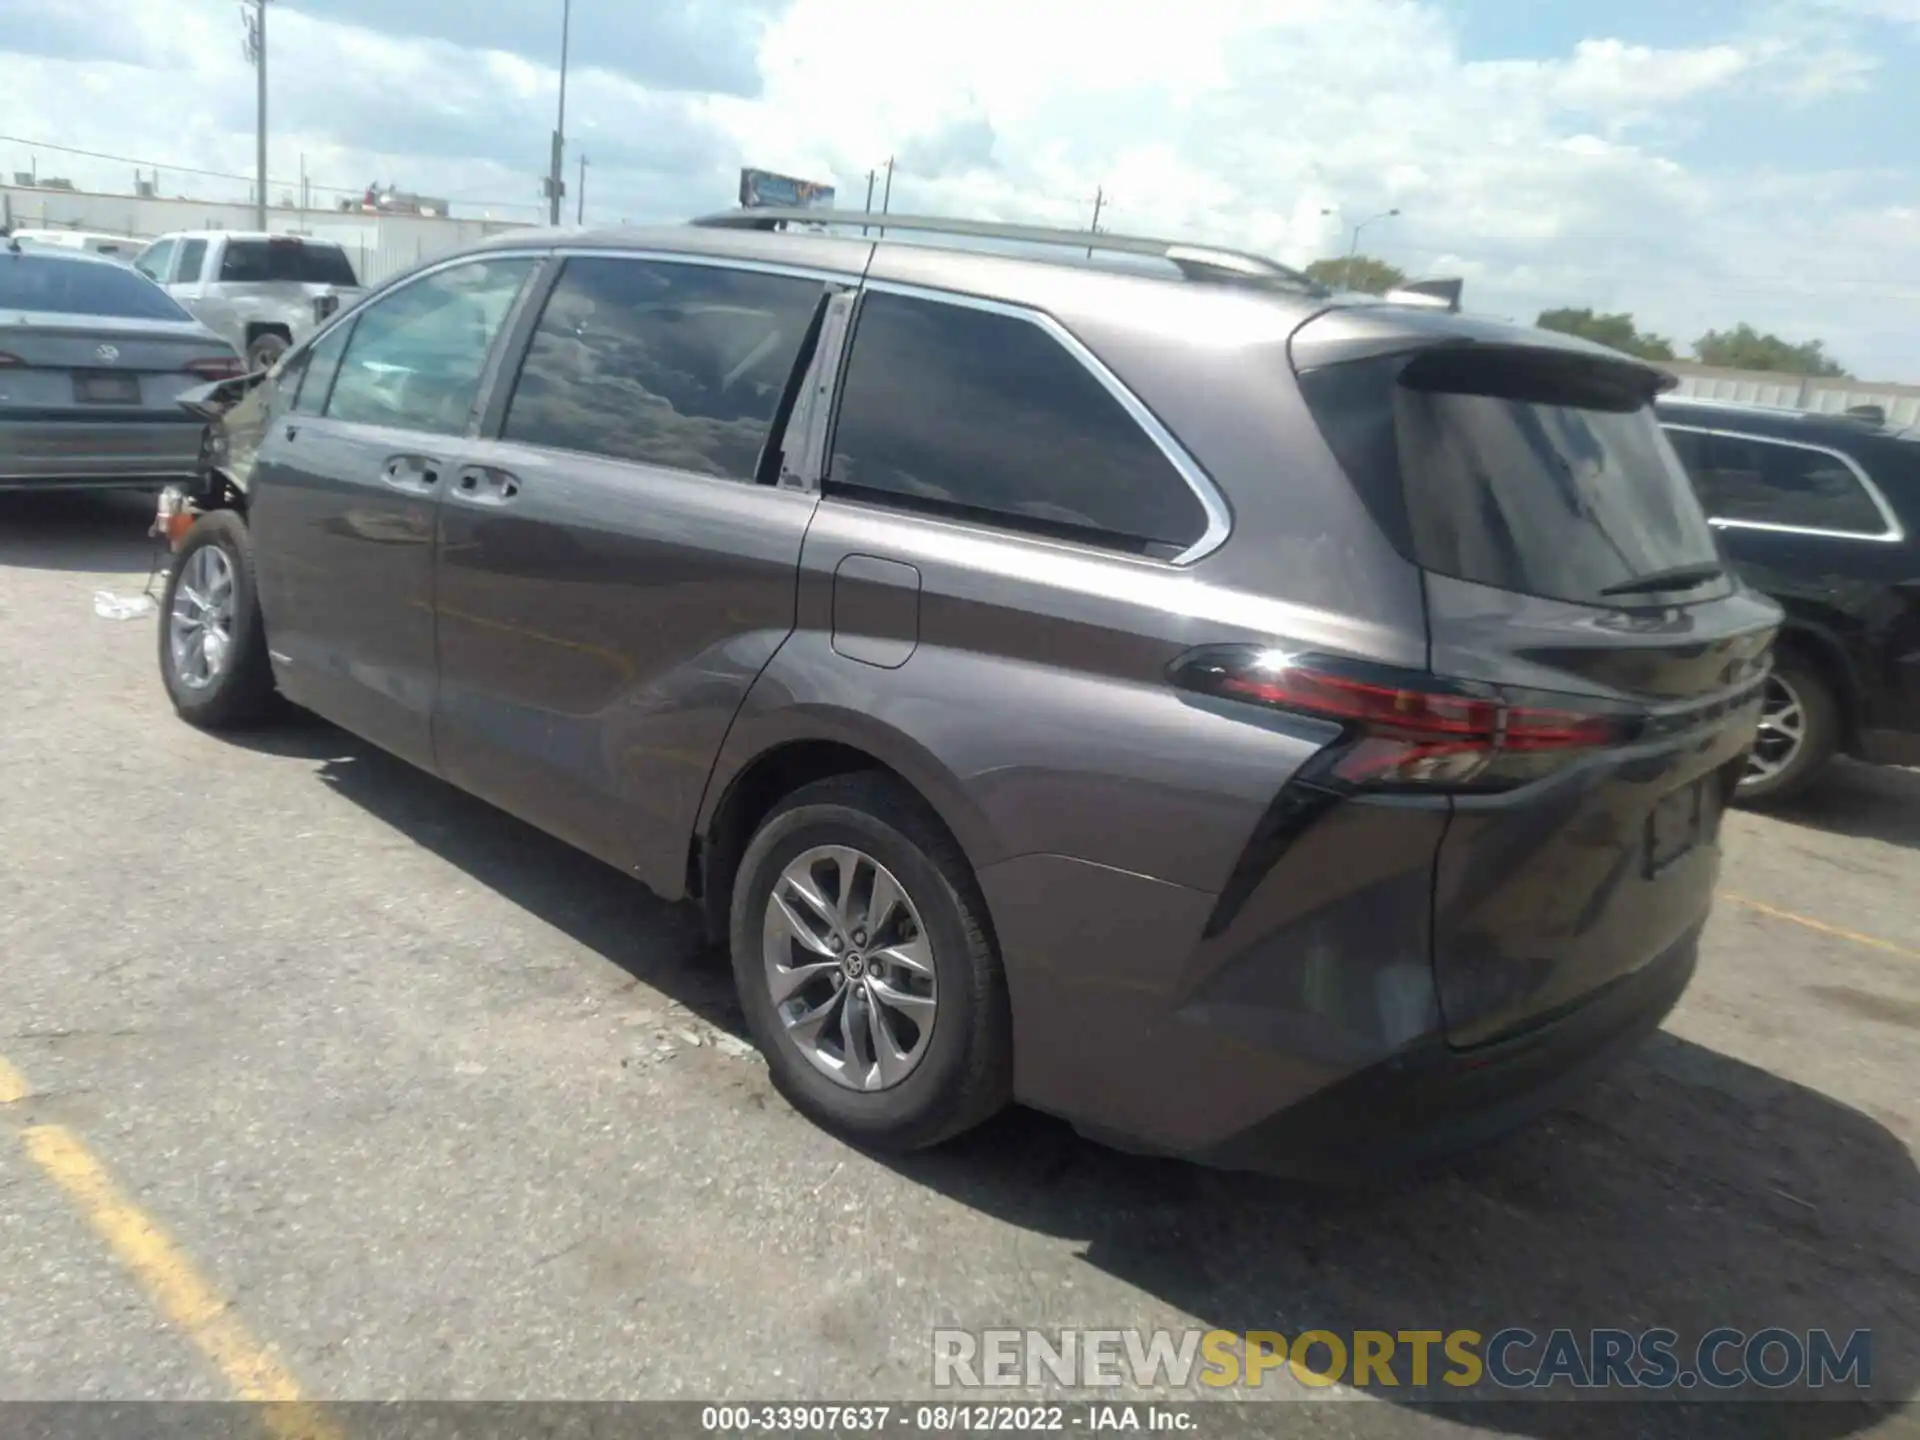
(1800, 731)
(213, 643)
(264, 350)
(960, 1067)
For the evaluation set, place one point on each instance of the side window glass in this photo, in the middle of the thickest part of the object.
(415, 357)
(667, 364)
(154, 260)
(962, 411)
(193, 256)
(318, 367)
(1750, 479)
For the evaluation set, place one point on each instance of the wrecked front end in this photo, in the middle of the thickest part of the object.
(235, 412)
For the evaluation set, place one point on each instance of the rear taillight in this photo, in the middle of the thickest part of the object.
(216, 367)
(7, 362)
(1405, 729)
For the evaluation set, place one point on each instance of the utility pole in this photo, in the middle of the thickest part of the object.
(872, 175)
(556, 185)
(886, 193)
(1353, 250)
(256, 20)
(580, 200)
(1099, 199)
(303, 188)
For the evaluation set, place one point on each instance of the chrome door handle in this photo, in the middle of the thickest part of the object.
(411, 472)
(486, 486)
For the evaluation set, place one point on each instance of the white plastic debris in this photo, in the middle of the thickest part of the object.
(109, 606)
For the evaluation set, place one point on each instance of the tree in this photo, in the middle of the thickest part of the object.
(1744, 348)
(1363, 273)
(1618, 331)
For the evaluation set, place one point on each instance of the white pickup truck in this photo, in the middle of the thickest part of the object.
(261, 292)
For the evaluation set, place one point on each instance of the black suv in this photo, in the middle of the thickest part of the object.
(1820, 512)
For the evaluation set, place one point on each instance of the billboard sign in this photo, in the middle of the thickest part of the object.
(763, 187)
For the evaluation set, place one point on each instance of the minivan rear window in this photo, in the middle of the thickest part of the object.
(289, 259)
(1529, 472)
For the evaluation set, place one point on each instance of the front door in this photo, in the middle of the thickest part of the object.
(345, 491)
(615, 568)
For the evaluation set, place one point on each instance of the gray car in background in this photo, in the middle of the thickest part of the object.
(94, 359)
(1284, 730)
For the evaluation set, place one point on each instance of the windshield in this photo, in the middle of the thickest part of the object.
(289, 260)
(59, 285)
(1516, 472)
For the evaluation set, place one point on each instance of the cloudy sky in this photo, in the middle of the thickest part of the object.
(1698, 162)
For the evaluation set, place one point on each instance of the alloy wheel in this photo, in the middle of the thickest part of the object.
(849, 966)
(1783, 730)
(200, 627)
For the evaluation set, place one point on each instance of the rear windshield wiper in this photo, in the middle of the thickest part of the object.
(1680, 577)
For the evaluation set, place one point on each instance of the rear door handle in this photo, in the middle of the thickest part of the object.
(485, 485)
(419, 473)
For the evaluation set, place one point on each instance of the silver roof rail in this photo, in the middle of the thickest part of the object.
(1195, 262)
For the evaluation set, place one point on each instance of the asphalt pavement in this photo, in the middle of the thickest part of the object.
(372, 1092)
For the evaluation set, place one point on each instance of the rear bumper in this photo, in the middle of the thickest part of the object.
(1306, 1036)
(1434, 1100)
(103, 451)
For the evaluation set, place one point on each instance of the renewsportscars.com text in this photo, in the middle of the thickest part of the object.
(1512, 1358)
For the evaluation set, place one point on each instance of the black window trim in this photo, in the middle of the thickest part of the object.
(533, 300)
(1894, 534)
(1212, 503)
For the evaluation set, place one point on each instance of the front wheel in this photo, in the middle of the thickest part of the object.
(1799, 732)
(213, 644)
(865, 967)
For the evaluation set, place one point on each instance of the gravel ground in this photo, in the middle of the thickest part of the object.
(450, 1111)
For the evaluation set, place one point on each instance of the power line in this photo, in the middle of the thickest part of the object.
(152, 164)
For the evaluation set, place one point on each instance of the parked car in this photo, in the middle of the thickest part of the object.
(1821, 513)
(98, 242)
(1040, 675)
(93, 361)
(262, 292)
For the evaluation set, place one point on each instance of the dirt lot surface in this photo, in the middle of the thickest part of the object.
(413, 1101)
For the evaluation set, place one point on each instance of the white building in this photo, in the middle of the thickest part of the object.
(378, 245)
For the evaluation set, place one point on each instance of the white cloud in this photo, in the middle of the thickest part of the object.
(1545, 181)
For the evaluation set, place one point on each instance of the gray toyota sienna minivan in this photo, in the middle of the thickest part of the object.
(1285, 730)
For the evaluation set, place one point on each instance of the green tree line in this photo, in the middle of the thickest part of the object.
(1741, 348)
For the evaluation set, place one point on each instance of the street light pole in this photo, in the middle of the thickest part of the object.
(555, 184)
(1353, 250)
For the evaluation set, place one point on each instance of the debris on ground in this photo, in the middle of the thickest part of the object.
(109, 606)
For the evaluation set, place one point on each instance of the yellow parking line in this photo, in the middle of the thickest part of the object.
(13, 1085)
(182, 1294)
(1855, 936)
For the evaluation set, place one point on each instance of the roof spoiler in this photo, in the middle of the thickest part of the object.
(1432, 294)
